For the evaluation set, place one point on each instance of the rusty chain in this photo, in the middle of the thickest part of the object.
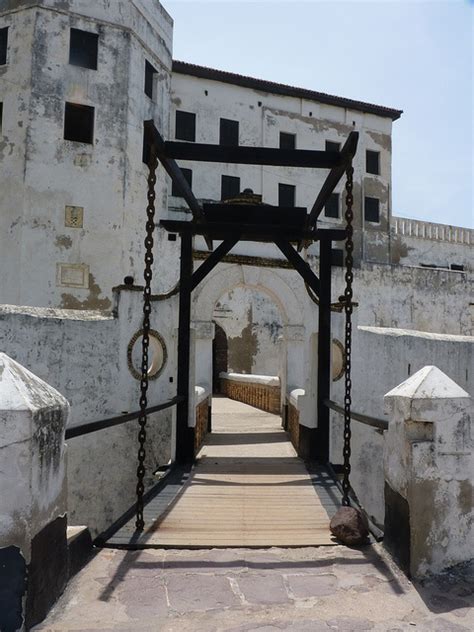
(348, 307)
(148, 273)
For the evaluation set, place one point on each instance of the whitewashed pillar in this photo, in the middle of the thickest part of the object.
(428, 464)
(33, 546)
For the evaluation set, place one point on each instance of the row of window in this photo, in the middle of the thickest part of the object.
(185, 129)
(83, 52)
(230, 188)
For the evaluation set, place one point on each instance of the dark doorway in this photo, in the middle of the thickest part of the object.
(219, 356)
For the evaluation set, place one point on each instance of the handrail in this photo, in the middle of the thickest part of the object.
(375, 422)
(93, 426)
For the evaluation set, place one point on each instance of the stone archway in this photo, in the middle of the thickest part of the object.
(266, 281)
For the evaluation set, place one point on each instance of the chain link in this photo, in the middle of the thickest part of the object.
(348, 306)
(148, 273)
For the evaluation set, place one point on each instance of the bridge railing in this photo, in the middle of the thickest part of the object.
(93, 426)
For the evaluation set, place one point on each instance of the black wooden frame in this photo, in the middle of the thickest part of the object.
(315, 442)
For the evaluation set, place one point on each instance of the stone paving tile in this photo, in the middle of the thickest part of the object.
(199, 592)
(305, 586)
(263, 588)
(241, 590)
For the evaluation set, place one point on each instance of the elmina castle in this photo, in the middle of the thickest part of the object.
(77, 81)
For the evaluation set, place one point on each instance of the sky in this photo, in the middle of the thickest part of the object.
(412, 55)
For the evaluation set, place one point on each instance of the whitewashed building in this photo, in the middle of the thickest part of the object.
(77, 80)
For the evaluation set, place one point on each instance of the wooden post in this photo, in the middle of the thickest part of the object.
(324, 349)
(184, 434)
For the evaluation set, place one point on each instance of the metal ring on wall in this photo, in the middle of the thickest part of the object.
(338, 344)
(159, 355)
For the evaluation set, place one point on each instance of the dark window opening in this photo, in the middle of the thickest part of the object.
(1, 118)
(229, 133)
(434, 265)
(372, 162)
(146, 149)
(331, 208)
(185, 126)
(332, 146)
(457, 266)
(286, 195)
(337, 257)
(188, 176)
(150, 73)
(79, 123)
(372, 209)
(287, 141)
(83, 48)
(230, 187)
(3, 45)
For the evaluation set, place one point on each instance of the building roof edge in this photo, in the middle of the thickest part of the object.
(203, 72)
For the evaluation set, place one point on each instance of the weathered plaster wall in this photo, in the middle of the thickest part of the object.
(416, 243)
(106, 179)
(84, 356)
(382, 358)
(253, 325)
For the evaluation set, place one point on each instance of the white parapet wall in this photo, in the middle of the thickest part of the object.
(33, 547)
(428, 459)
(382, 357)
(85, 355)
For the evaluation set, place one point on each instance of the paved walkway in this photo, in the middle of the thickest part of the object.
(241, 590)
(308, 589)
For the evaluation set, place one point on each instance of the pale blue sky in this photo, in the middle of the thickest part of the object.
(412, 55)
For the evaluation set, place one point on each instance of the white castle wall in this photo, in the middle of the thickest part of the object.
(42, 172)
(83, 354)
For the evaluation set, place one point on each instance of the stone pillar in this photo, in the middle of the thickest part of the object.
(33, 546)
(428, 473)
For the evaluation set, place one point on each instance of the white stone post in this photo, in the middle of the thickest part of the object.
(33, 546)
(428, 464)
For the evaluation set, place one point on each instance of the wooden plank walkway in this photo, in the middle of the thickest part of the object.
(247, 489)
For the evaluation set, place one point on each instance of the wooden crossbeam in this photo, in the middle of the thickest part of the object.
(254, 155)
(172, 169)
(299, 264)
(336, 173)
(213, 260)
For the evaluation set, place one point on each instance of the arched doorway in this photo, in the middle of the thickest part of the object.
(220, 353)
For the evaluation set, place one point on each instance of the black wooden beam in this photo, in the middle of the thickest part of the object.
(213, 260)
(254, 155)
(247, 232)
(336, 173)
(184, 434)
(299, 264)
(324, 350)
(154, 138)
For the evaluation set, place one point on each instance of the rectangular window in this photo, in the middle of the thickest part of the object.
(287, 141)
(229, 133)
(337, 257)
(79, 123)
(3, 45)
(146, 149)
(188, 176)
(372, 162)
(331, 209)
(372, 209)
(331, 146)
(185, 126)
(150, 73)
(1, 118)
(230, 187)
(286, 195)
(83, 47)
